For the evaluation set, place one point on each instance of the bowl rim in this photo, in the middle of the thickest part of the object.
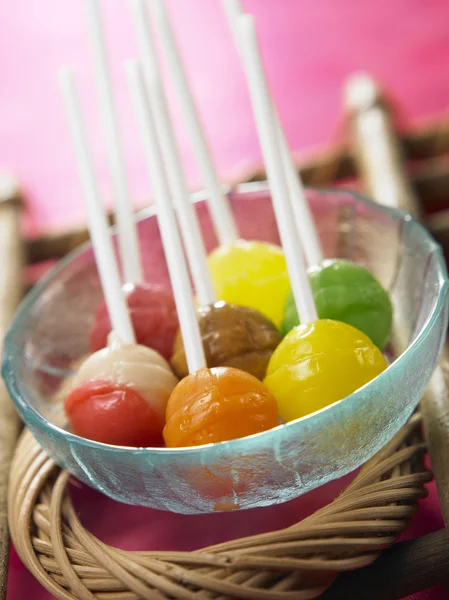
(29, 413)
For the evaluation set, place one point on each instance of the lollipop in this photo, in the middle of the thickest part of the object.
(319, 362)
(119, 394)
(232, 335)
(152, 307)
(213, 404)
(347, 292)
(252, 274)
(153, 314)
(246, 273)
(343, 291)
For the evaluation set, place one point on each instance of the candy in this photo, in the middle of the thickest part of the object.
(251, 274)
(153, 314)
(215, 405)
(319, 363)
(232, 336)
(112, 414)
(119, 396)
(347, 292)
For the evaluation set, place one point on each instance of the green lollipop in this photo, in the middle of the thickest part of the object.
(347, 292)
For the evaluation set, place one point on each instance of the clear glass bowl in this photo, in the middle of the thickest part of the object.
(49, 334)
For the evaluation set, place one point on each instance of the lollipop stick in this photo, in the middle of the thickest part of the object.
(266, 125)
(167, 223)
(97, 222)
(223, 219)
(127, 231)
(305, 225)
(301, 210)
(187, 217)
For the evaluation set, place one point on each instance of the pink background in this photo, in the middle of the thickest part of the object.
(309, 49)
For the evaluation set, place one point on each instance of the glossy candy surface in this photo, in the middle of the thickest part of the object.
(153, 314)
(251, 274)
(233, 336)
(112, 414)
(119, 396)
(345, 291)
(319, 363)
(215, 405)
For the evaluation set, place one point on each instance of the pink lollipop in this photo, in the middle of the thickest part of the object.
(152, 308)
(153, 314)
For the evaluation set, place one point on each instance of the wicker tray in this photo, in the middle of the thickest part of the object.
(352, 533)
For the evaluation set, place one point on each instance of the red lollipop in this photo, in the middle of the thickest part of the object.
(119, 393)
(112, 414)
(153, 315)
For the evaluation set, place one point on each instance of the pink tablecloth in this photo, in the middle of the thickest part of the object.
(309, 48)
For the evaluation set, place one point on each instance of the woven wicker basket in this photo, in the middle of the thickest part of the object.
(296, 563)
(299, 562)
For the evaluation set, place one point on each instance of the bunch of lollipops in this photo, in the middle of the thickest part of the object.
(268, 334)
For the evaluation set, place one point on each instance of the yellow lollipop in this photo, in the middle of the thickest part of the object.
(253, 274)
(319, 363)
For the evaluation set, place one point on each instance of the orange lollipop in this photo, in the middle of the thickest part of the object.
(215, 405)
(209, 405)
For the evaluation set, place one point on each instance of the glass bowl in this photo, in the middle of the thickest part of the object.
(50, 333)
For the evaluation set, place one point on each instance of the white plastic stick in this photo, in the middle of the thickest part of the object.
(98, 226)
(219, 206)
(187, 217)
(266, 126)
(174, 255)
(127, 231)
(304, 222)
(305, 225)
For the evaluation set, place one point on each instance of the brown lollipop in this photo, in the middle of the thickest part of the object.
(233, 336)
